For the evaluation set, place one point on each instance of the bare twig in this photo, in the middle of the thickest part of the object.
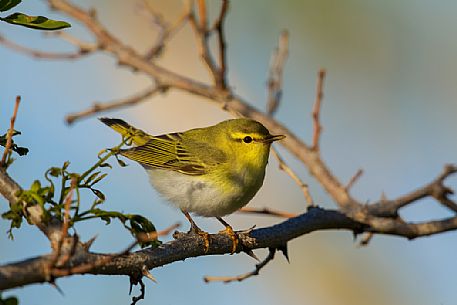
(200, 28)
(140, 297)
(97, 108)
(274, 83)
(221, 81)
(354, 179)
(435, 189)
(242, 277)
(58, 244)
(67, 204)
(202, 16)
(166, 30)
(9, 136)
(366, 239)
(146, 273)
(317, 108)
(303, 186)
(46, 55)
(84, 47)
(266, 211)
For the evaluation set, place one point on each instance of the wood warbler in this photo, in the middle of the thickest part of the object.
(211, 171)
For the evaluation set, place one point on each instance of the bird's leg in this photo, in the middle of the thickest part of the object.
(196, 230)
(229, 231)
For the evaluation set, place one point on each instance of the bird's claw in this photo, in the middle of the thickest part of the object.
(233, 236)
(204, 235)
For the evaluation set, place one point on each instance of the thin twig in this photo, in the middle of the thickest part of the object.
(366, 239)
(84, 47)
(65, 225)
(97, 107)
(303, 186)
(43, 54)
(354, 179)
(317, 108)
(266, 211)
(274, 83)
(242, 277)
(200, 29)
(435, 189)
(67, 204)
(9, 136)
(202, 16)
(221, 82)
(166, 31)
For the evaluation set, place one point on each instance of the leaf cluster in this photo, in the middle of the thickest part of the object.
(53, 194)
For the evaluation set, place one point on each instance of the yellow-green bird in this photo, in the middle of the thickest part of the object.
(211, 171)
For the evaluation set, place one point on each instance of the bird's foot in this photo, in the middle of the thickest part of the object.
(233, 236)
(204, 235)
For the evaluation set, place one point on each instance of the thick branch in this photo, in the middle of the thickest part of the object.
(186, 246)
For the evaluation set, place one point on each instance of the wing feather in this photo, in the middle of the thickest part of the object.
(169, 152)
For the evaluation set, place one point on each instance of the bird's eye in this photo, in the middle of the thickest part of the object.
(247, 139)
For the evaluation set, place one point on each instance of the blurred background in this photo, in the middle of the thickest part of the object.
(389, 108)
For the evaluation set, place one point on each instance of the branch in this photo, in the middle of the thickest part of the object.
(354, 179)
(303, 186)
(317, 108)
(242, 277)
(97, 108)
(200, 28)
(87, 49)
(266, 211)
(9, 136)
(219, 28)
(274, 83)
(185, 246)
(191, 245)
(435, 189)
(166, 31)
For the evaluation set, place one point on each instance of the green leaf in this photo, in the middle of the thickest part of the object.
(121, 163)
(36, 22)
(99, 179)
(98, 194)
(21, 151)
(54, 171)
(6, 5)
(65, 165)
(36, 186)
(91, 177)
(9, 300)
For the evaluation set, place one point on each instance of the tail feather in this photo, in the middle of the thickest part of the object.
(138, 136)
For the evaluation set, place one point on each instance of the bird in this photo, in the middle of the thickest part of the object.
(211, 171)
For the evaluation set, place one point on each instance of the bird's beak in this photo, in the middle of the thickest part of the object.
(273, 138)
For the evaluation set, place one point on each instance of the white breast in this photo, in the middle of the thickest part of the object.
(192, 194)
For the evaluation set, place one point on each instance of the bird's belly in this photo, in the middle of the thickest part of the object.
(196, 194)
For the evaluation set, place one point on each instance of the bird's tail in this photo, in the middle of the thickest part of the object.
(138, 136)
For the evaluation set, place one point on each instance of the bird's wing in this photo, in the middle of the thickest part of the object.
(169, 152)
